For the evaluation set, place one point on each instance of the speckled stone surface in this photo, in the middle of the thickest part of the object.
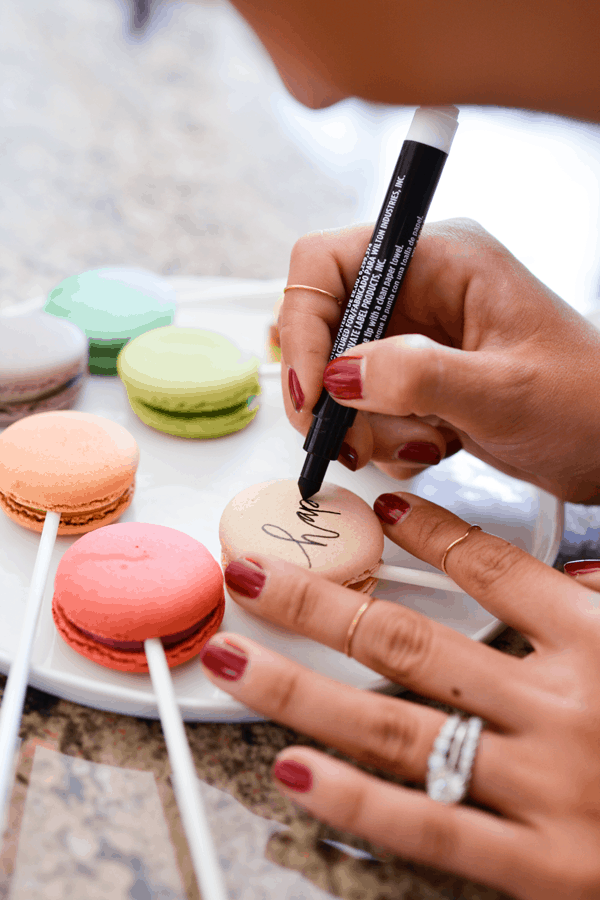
(160, 154)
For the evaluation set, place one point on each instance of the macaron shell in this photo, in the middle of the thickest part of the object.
(114, 302)
(65, 461)
(133, 581)
(38, 352)
(178, 368)
(334, 533)
(193, 425)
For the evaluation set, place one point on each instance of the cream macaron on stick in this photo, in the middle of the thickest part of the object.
(60, 473)
(136, 598)
(335, 534)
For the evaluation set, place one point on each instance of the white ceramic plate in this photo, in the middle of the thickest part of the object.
(186, 484)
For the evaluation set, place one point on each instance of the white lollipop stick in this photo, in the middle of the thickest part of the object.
(16, 685)
(185, 784)
(414, 576)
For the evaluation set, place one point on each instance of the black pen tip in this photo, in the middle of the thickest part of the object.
(308, 487)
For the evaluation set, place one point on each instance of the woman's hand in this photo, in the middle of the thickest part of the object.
(537, 766)
(496, 363)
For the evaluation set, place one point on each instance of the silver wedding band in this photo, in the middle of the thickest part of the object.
(450, 762)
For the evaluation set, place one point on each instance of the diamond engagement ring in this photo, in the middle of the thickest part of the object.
(450, 762)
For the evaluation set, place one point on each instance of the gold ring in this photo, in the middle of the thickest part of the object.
(306, 287)
(354, 623)
(457, 541)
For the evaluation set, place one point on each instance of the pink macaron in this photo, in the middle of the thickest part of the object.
(121, 584)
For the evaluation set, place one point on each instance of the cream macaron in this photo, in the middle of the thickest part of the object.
(334, 533)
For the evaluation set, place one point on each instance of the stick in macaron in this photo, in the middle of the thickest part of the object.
(138, 598)
(60, 473)
(335, 533)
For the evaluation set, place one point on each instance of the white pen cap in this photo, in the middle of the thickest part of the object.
(434, 126)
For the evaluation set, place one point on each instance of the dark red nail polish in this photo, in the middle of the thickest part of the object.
(244, 579)
(224, 663)
(342, 378)
(348, 456)
(293, 774)
(419, 452)
(390, 508)
(582, 566)
(296, 392)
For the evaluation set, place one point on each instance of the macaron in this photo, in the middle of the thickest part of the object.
(122, 584)
(189, 382)
(334, 533)
(43, 361)
(112, 305)
(78, 464)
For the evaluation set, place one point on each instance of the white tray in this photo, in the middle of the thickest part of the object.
(186, 484)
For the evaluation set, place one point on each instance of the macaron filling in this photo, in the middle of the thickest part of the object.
(168, 640)
(8, 406)
(191, 414)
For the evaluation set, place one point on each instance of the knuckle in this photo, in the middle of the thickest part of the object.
(392, 738)
(401, 645)
(283, 693)
(351, 807)
(438, 839)
(489, 566)
(295, 602)
(306, 245)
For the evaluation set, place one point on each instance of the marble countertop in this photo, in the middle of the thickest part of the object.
(117, 151)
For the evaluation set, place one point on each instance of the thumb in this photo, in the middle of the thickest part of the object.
(412, 374)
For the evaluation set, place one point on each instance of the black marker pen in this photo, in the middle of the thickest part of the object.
(382, 271)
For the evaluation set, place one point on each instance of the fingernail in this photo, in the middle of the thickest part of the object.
(293, 774)
(348, 456)
(245, 577)
(224, 663)
(296, 392)
(582, 566)
(390, 508)
(419, 452)
(342, 378)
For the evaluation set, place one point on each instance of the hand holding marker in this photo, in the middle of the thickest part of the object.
(382, 271)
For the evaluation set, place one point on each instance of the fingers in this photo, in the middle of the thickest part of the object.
(308, 320)
(520, 590)
(394, 734)
(412, 375)
(457, 839)
(390, 639)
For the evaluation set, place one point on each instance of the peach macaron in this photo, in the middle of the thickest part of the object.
(122, 584)
(78, 464)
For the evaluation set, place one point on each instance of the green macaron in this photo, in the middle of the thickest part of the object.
(189, 382)
(112, 305)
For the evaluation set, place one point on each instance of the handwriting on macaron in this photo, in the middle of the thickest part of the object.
(308, 512)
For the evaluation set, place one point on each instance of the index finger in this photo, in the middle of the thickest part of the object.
(308, 322)
(522, 591)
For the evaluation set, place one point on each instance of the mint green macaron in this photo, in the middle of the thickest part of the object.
(111, 306)
(189, 382)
